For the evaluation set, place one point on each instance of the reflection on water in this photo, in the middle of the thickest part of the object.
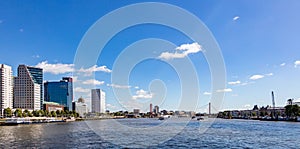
(221, 134)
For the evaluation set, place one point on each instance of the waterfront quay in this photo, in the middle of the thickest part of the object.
(33, 120)
(288, 113)
(223, 133)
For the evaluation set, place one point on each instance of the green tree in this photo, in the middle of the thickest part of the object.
(41, 113)
(76, 114)
(7, 112)
(58, 113)
(47, 113)
(18, 113)
(292, 110)
(53, 114)
(63, 113)
(25, 113)
(295, 110)
(35, 113)
(67, 113)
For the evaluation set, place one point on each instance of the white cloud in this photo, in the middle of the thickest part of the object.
(235, 18)
(93, 82)
(118, 86)
(94, 68)
(167, 55)
(111, 107)
(189, 48)
(234, 95)
(81, 90)
(245, 83)
(269, 74)
(234, 83)
(136, 87)
(206, 93)
(297, 63)
(255, 77)
(225, 90)
(58, 68)
(181, 51)
(247, 106)
(36, 56)
(141, 94)
(75, 78)
(282, 64)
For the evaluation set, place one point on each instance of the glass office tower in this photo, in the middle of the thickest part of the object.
(60, 92)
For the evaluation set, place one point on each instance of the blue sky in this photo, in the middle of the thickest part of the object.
(259, 42)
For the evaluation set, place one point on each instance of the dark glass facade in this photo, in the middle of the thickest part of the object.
(60, 92)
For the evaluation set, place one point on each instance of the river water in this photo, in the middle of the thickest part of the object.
(152, 133)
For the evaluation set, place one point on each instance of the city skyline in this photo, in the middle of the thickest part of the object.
(260, 50)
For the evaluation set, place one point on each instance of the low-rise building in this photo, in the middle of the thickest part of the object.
(52, 106)
(80, 107)
(136, 111)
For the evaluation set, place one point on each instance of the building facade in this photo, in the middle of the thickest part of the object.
(151, 108)
(28, 88)
(136, 111)
(98, 101)
(80, 107)
(156, 110)
(6, 88)
(52, 106)
(60, 92)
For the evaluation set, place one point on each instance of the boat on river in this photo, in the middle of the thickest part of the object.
(163, 117)
(16, 121)
(30, 120)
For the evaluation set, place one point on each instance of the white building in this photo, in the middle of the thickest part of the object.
(81, 107)
(98, 101)
(297, 102)
(28, 88)
(293, 102)
(6, 88)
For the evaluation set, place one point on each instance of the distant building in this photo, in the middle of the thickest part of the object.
(60, 92)
(292, 102)
(156, 109)
(80, 107)
(52, 106)
(297, 103)
(151, 109)
(6, 88)
(28, 88)
(98, 101)
(136, 111)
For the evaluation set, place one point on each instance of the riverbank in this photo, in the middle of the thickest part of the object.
(297, 119)
(34, 120)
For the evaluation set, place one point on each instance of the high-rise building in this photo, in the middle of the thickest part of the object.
(28, 88)
(60, 92)
(98, 101)
(6, 88)
(156, 109)
(151, 110)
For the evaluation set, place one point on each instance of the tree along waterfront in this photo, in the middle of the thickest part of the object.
(38, 113)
